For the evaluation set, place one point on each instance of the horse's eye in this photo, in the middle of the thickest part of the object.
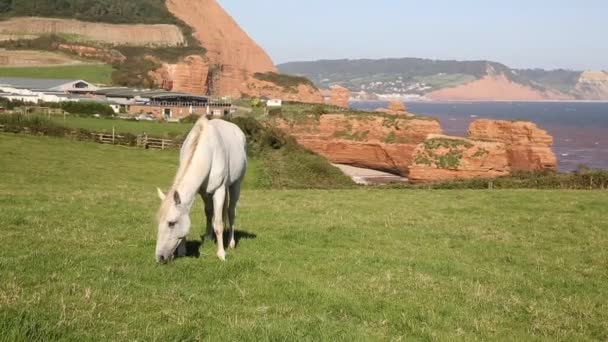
(172, 224)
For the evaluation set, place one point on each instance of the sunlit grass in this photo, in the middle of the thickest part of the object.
(78, 234)
(95, 73)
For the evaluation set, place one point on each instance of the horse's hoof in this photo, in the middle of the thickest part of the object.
(221, 256)
(232, 244)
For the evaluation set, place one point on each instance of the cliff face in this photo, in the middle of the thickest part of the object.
(593, 85)
(376, 142)
(415, 147)
(231, 60)
(81, 31)
(446, 158)
(495, 87)
(189, 76)
(529, 147)
(231, 53)
(339, 96)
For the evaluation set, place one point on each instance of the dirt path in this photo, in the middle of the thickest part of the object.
(369, 176)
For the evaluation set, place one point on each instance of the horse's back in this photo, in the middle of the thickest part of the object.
(235, 146)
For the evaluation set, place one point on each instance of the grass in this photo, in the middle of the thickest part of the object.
(169, 130)
(284, 81)
(78, 237)
(95, 73)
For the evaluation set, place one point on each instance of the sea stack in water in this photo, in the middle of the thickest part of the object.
(340, 96)
(528, 147)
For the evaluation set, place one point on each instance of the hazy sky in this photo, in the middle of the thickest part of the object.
(520, 33)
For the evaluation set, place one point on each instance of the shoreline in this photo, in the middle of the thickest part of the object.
(486, 101)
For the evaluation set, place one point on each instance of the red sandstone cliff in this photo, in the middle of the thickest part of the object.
(230, 50)
(495, 87)
(232, 57)
(529, 147)
(414, 147)
(443, 158)
(377, 142)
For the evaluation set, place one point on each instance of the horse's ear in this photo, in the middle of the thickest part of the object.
(177, 198)
(161, 195)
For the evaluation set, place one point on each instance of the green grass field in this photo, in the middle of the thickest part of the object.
(95, 73)
(77, 260)
(169, 130)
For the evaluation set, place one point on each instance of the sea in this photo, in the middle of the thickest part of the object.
(579, 129)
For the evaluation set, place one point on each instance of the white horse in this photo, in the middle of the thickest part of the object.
(213, 162)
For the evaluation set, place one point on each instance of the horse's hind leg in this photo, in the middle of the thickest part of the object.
(208, 200)
(235, 192)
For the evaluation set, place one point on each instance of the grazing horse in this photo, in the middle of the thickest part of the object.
(213, 162)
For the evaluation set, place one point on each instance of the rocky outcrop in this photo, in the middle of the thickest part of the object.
(496, 87)
(109, 56)
(593, 85)
(444, 158)
(528, 147)
(378, 142)
(80, 31)
(394, 108)
(339, 97)
(189, 75)
(229, 49)
(415, 147)
(494, 148)
(301, 93)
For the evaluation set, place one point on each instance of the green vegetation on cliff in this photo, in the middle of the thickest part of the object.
(288, 82)
(132, 72)
(109, 11)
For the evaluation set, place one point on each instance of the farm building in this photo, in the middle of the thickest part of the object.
(157, 103)
(35, 90)
(164, 104)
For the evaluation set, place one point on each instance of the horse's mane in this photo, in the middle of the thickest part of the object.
(191, 142)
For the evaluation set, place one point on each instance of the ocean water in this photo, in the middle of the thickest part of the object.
(579, 129)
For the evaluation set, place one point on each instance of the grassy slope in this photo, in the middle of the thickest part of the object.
(78, 239)
(96, 73)
(123, 126)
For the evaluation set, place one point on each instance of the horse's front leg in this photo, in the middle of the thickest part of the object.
(208, 200)
(219, 205)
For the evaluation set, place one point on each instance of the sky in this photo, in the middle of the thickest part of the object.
(569, 34)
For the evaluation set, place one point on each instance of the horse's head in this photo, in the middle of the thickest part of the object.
(173, 225)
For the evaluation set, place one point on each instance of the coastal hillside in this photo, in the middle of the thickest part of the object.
(452, 80)
(192, 46)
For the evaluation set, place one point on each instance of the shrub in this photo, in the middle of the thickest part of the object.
(87, 108)
(285, 81)
(190, 119)
(17, 123)
(591, 179)
(134, 72)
